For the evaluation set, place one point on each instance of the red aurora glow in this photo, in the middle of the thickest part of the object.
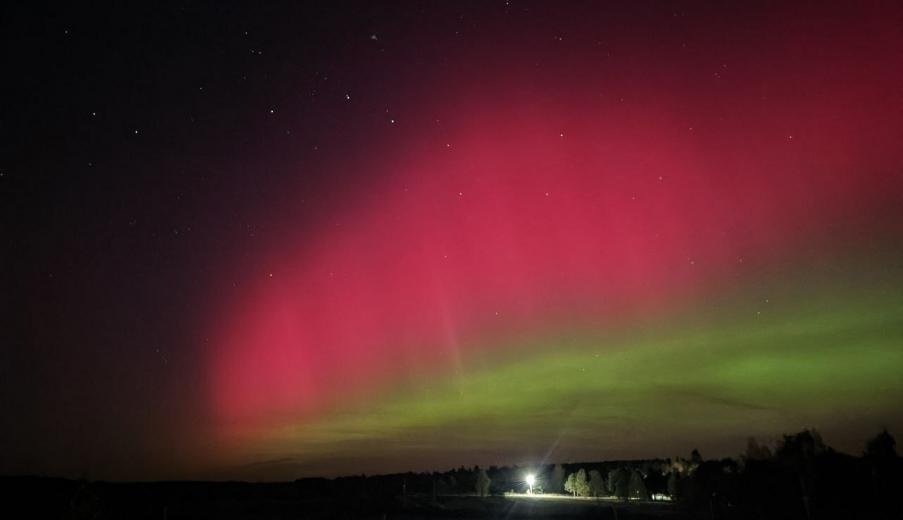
(532, 203)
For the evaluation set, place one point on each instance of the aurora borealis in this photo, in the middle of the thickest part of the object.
(376, 239)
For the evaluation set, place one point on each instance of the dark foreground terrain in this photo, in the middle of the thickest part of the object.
(69, 499)
(61, 498)
(803, 479)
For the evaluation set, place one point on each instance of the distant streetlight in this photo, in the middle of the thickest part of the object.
(531, 479)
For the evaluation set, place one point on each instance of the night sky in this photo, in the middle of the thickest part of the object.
(264, 242)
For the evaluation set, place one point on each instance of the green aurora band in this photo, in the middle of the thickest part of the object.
(816, 349)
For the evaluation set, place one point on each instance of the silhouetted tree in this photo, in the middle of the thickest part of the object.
(674, 485)
(881, 463)
(798, 453)
(581, 485)
(556, 483)
(881, 446)
(619, 483)
(483, 482)
(756, 451)
(638, 487)
(804, 445)
(569, 484)
(596, 483)
(695, 457)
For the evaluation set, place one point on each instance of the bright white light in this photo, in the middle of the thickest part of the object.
(531, 479)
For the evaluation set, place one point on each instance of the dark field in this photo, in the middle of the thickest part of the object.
(803, 479)
(60, 498)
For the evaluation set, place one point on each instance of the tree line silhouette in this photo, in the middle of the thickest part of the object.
(799, 477)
